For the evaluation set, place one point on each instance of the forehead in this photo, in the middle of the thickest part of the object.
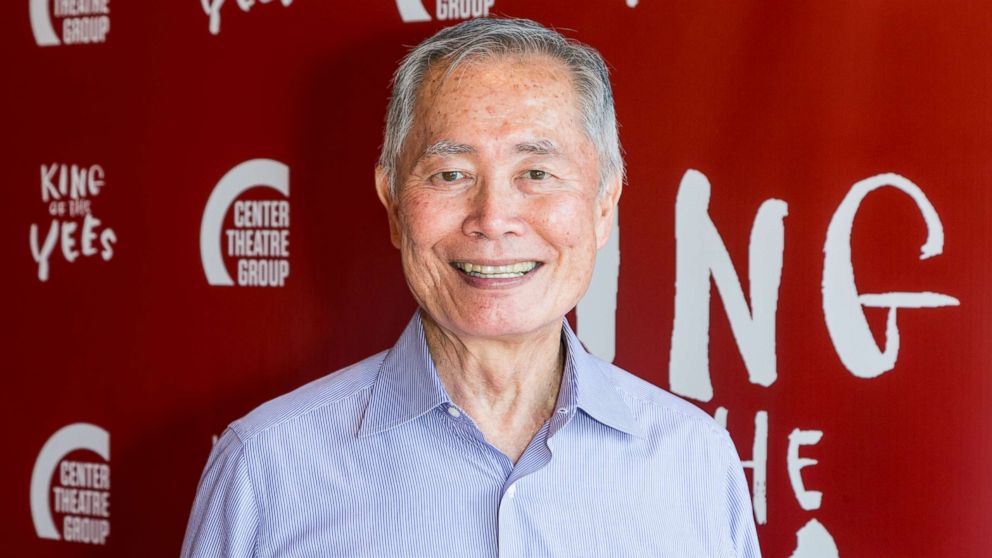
(497, 92)
(527, 71)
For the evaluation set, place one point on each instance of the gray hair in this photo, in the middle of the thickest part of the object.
(491, 38)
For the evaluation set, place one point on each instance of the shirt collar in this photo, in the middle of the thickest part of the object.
(592, 390)
(408, 385)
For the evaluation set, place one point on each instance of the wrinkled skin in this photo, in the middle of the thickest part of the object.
(521, 185)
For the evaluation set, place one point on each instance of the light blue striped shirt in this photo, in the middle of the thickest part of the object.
(375, 460)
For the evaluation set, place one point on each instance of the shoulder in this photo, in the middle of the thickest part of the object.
(334, 392)
(657, 409)
(707, 457)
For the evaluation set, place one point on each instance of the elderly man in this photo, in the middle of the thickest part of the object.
(487, 430)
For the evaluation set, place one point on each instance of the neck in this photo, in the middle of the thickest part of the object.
(508, 387)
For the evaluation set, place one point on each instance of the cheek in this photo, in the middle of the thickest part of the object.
(417, 223)
(426, 222)
(569, 224)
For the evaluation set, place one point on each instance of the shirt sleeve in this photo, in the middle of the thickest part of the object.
(224, 521)
(743, 535)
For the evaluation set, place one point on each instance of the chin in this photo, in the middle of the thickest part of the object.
(494, 325)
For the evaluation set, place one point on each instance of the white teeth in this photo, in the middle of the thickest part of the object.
(496, 271)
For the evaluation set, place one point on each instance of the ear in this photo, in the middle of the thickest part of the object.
(386, 197)
(606, 205)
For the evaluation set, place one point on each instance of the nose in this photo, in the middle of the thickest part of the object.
(494, 212)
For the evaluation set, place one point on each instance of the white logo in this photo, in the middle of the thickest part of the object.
(413, 10)
(259, 238)
(83, 21)
(68, 192)
(212, 9)
(82, 495)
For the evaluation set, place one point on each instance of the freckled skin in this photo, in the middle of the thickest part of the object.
(498, 209)
(511, 178)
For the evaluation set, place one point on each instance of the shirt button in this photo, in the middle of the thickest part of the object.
(511, 491)
(454, 412)
(563, 410)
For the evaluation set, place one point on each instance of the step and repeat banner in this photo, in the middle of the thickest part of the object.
(803, 249)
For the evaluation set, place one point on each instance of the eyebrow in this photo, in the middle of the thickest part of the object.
(445, 147)
(539, 147)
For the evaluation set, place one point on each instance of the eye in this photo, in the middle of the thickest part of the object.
(535, 174)
(448, 177)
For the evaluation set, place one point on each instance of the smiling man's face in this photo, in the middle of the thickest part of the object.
(497, 213)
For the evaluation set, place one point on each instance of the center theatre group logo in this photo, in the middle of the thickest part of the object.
(259, 239)
(68, 192)
(82, 21)
(414, 10)
(82, 492)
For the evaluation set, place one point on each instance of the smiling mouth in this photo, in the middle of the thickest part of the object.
(510, 271)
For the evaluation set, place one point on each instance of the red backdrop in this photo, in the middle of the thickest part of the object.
(156, 102)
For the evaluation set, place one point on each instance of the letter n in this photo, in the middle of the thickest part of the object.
(700, 254)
